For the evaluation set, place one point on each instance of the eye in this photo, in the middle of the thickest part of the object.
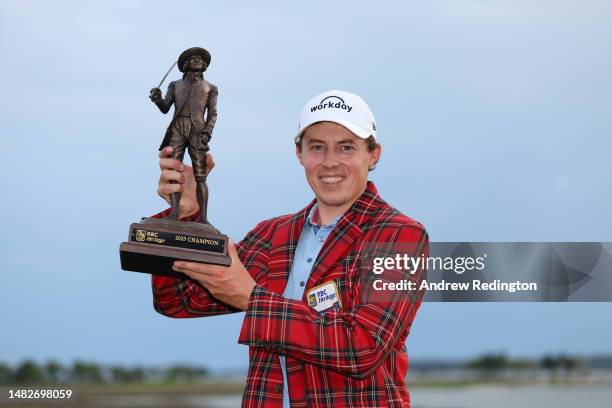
(316, 147)
(347, 148)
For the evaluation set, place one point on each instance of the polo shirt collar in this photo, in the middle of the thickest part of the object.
(314, 212)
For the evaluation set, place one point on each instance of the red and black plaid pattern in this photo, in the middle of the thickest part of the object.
(353, 357)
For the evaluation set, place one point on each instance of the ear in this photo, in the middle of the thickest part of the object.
(298, 155)
(375, 155)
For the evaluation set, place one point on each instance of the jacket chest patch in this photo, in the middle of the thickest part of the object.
(324, 297)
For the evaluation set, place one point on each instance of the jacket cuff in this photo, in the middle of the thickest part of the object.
(166, 213)
(258, 322)
(163, 214)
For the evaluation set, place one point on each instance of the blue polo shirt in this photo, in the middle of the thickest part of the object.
(309, 245)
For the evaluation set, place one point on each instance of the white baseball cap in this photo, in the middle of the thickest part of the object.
(343, 108)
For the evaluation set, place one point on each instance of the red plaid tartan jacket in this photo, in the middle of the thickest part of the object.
(352, 357)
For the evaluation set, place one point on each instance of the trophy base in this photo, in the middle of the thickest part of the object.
(154, 244)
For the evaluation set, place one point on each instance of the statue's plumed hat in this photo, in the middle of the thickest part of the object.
(193, 51)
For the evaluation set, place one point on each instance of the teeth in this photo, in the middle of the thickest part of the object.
(331, 179)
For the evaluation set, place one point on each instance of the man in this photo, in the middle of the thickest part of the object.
(314, 338)
(192, 97)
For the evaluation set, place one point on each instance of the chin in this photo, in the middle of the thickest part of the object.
(334, 199)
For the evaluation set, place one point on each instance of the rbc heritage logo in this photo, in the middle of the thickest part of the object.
(334, 102)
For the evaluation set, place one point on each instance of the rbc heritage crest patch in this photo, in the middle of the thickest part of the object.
(324, 297)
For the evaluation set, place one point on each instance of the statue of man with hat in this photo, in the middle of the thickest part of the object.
(195, 114)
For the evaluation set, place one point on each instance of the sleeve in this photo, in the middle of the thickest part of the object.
(185, 297)
(351, 342)
(165, 103)
(211, 108)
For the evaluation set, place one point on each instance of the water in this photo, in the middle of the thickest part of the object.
(422, 397)
(481, 396)
(512, 397)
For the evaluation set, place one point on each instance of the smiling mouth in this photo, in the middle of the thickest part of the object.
(331, 179)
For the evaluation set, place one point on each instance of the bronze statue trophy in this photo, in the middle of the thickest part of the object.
(154, 244)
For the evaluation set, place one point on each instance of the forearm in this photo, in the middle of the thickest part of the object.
(353, 343)
(211, 113)
(162, 105)
(184, 297)
(165, 103)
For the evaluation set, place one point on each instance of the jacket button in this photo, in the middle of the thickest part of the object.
(279, 388)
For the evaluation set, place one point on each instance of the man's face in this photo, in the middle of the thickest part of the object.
(336, 163)
(196, 63)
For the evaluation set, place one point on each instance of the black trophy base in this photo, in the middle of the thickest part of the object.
(154, 244)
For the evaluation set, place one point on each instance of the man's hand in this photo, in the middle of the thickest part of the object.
(206, 137)
(155, 94)
(230, 284)
(178, 177)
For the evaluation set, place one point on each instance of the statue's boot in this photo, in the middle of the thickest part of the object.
(176, 200)
(202, 194)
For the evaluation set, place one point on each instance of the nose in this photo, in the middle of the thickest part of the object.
(330, 159)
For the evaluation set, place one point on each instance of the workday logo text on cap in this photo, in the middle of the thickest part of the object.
(343, 108)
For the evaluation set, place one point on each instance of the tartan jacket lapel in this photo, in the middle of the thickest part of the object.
(341, 239)
(285, 241)
(337, 245)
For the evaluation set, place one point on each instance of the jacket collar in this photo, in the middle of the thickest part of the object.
(337, 245)
(349, 228)
(359, 213)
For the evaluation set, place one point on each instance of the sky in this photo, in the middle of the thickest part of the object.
(494, 117)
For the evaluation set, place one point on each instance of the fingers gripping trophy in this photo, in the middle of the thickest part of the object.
(155, 243)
